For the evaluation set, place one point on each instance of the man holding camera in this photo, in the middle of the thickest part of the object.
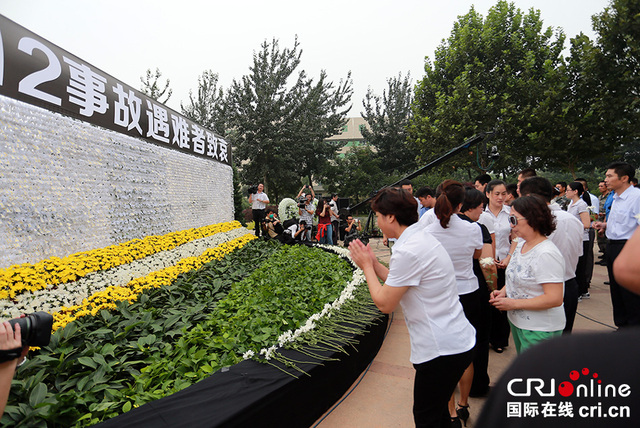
(307, 209)
(258, 201)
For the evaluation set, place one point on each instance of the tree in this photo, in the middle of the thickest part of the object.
(208, 108)
(570, 117)
(278, 119)
(322, 113)
(355, 174)
(489, 74)
(617, 62)
(388, 118)
(151, 86)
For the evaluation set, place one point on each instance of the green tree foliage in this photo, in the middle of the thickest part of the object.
(617, 63)
(238, 197)
(355, 174)
(277, 119)
(388, 117)
(489, 74)
(569, 118)
(207, 108)
(151, 86)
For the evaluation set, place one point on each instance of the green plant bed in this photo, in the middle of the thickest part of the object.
(98, 367)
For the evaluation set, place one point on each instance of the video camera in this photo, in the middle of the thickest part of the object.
(252, 190)
(35, 330)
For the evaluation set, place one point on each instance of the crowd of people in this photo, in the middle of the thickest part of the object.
(331, 227)
(472, 265)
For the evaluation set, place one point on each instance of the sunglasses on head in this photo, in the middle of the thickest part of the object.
(513, 220)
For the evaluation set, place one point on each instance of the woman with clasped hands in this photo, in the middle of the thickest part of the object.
(534, 277)
(422, 280)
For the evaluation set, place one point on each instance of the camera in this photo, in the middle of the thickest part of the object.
(35, 328)
(494, 155)
(302, 201)
(252, 190)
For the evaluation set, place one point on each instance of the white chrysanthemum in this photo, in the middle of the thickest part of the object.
(487, 262)
(357, 278)
(287, 209)
(52, 299)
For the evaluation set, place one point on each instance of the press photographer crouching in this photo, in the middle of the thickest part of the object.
(272, 225)
(351, 230)
(16, 335)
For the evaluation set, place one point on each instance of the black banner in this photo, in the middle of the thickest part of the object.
(38, 72)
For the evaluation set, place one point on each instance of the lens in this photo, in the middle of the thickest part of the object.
(513, 220)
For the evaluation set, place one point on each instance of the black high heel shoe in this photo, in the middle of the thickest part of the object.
(455, 423)
(463, 413)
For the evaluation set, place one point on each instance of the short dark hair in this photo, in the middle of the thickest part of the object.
(482, 179)
(622, 168)
(512, 189)
(494, 183)
(528, 172)
(399, 202)
(472, 199)
(405, 182)
(562, 183)
(537, 186)
(584, 183)
(425, 191)
(537, 213)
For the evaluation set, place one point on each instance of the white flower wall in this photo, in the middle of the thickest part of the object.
(68, 186)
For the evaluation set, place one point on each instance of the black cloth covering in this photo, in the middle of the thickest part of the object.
(252, 394)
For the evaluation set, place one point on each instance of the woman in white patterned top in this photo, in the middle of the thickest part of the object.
(534, 278)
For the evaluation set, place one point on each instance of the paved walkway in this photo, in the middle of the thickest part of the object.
(383, 395)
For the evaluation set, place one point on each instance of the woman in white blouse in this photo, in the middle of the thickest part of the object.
(579, 207)
(421, 278)
(463, 242)
(496, 217)
(535, 276)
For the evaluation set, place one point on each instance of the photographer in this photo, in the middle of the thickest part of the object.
(258, 201)
(10, 340)
(325, 232)
(307, 209)
(293, 232)
(273, 225)
(351, 231)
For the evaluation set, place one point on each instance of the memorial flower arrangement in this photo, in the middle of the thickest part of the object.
(185, 317)
(26, 277)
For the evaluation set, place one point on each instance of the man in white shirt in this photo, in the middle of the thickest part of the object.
(567, 237)
(622, 222)
(258, 201)
(335, 220)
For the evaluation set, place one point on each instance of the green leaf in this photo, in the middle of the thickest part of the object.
(38, 394)
(126, 407)
(87, 362)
